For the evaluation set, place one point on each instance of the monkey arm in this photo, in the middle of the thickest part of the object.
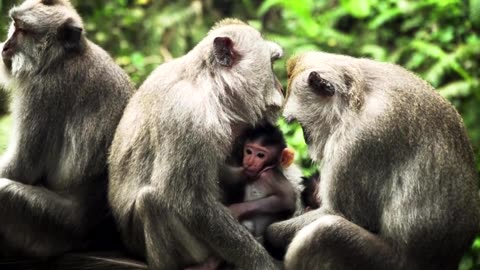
(280, 234)
(272, 204)
(22, 159)
(206, 217)
(45, 222)
(226, 237)
(231, 175)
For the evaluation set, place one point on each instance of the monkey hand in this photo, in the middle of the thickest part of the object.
(238, 210)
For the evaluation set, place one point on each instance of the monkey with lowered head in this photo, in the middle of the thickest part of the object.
(268, 195)
(176, 132)
(68, 97)
(399, 187)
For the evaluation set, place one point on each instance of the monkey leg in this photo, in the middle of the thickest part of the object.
(38, 222)
(279, 235)
(332, 242)
(167, 241)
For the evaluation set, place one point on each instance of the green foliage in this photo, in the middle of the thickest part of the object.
(437, 39)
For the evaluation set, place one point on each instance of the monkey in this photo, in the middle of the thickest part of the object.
(310, 193)
(268, 195)
(174, 135)
(398, 181)
(68, 96)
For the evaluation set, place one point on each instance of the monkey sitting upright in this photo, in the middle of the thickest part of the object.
(168, 206)
(399, 187)
(268, 195)
(68, 96)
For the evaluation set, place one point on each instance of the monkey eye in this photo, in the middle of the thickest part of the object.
(19, 26)
(248, 151)
(319, 85)
(261, 155)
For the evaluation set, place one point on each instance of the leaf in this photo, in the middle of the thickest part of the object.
(267, 5)
(455, 89)
(357, 8)
(429, 49)
(384, 17)
(475, 12)
(375, 51)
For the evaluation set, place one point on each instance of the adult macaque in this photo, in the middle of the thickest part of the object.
(268, 195)
(68, 97)
(398, 182)
(173, 137)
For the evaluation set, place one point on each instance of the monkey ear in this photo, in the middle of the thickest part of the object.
(319, 85)
(70, 36)
(223, 51)
(288, 155)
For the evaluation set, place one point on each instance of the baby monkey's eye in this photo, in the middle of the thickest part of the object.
(261, 155)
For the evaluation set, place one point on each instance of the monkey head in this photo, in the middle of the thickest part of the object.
(238, 57)
(41, 33)
(264, 149)
(322, 90)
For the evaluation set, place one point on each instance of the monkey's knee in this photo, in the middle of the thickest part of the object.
(5, 182)
(310, 247)
(146, 202)
(333, 242)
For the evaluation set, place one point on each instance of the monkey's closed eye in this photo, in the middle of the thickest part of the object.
(320, 85)
(19, 26)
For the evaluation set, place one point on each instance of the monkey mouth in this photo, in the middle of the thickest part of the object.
(251, 173)
(8, 64)
(7, 59)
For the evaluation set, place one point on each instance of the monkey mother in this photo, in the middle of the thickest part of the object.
(175, 133)
(399, 186)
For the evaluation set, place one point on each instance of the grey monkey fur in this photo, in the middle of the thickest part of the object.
(175, 133)
(399, 187)
(68, 97)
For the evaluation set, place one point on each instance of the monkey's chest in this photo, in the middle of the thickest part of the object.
(257, 191)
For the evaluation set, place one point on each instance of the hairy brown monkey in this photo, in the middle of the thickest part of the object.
(268, 195)
(68, 97)
(398, 181)
(173, 137)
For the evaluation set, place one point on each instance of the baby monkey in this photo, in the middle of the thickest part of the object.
(258, 183)
(267, 194)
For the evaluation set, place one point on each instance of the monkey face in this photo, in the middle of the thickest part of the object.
(41, 32)
(256, 157)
